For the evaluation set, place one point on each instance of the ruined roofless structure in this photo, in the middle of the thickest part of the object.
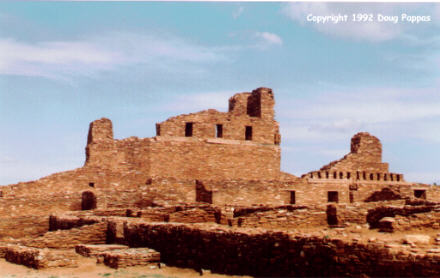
(223, 158)
(207, 187)
(242, 143)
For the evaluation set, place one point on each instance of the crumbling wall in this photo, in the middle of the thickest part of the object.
(376, 214)
(38, 259)
(62, 239)
(318, 193)
(280, 217)
(254, 110)
(248, 192)
(365, 155)
(258, 252)
(20, 226)
(67, 222)
(195, 215)
(101, 148)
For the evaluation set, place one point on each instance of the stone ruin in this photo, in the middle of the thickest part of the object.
(207, 192)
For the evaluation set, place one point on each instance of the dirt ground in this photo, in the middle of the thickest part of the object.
(89, 269)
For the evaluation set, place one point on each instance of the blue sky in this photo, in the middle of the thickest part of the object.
(65, 64)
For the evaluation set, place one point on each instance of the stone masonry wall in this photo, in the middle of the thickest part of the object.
(245, 147)
(245, 192)
(214, 159)
(258, 252)
(254, 109)
(365, 155)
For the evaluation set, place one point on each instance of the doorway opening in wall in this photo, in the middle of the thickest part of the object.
(332, 215)
(332, 196)
(292, 197)
(88, 200)
(420, 193)
(248, 133)
(188, 129)
(219, 131)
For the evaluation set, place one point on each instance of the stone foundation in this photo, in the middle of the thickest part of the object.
(40, 258)
(131, 257)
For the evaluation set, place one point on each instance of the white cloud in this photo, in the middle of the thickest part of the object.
(366, 31)
(63, 59)
(269, 38)
(238, 12)
(338, 115)
(437, 12)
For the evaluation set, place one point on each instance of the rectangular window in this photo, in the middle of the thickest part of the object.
(292, 197)
(189, 130)
(420, 193)
(248, 134)
(332, 196)
(157, 129)
(219, 131)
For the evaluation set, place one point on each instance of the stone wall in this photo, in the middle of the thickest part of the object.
(243, 192)
(62, 239)
(245, 147)
(38, 259)
(282, 217)
(214, 159)
(376, 214)
(360, 176)
(254, 110)
(20, 226)
(365, 155)
(258, 252)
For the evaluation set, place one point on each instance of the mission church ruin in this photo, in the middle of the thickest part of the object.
(208, 167)
(216, 157)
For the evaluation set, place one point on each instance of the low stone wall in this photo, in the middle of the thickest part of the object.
(40, 258)
(376, 214)
(259, 252)
(131, 257)
(62, 239)
(67, 222)
(95, 250)
(279, 217)
(248, 192)
(3, 248)
(189, 213)
(195, 214)
(427, 220)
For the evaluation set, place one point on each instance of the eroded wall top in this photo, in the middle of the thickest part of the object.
(250, 117)
(362, 164)
(365, 155)
(242, 143)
